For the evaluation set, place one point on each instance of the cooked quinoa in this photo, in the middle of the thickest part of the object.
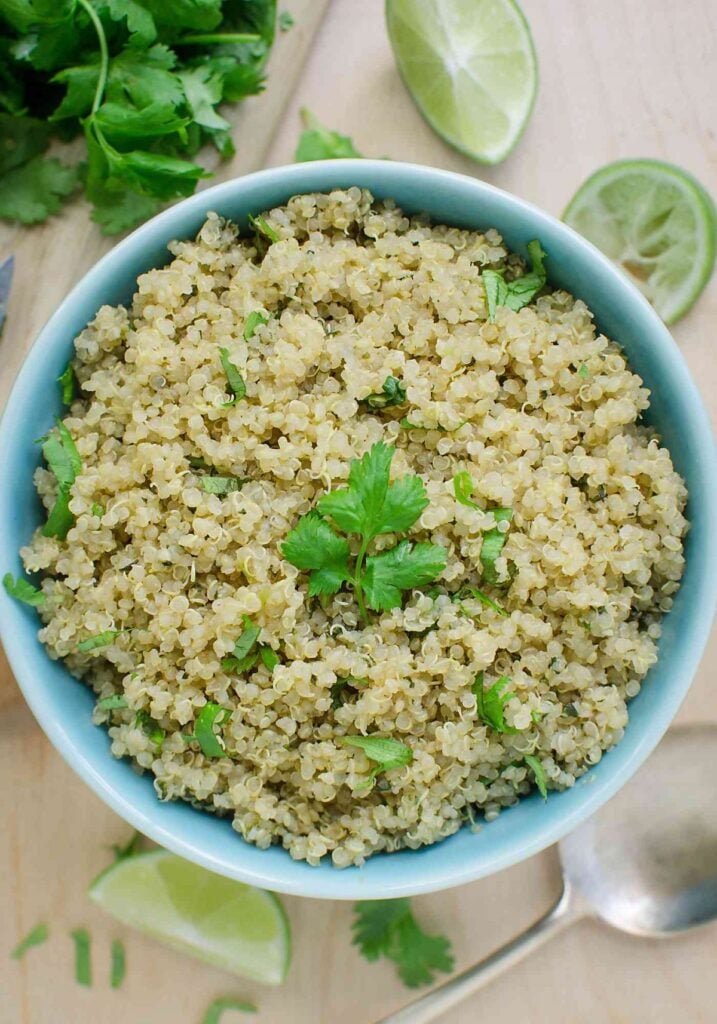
(539, 409)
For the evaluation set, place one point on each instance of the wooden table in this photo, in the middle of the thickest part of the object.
(618, 78)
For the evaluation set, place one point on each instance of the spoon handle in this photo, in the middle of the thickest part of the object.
(428, 1007)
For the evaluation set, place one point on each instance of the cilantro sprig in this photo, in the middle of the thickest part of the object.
(387, 753)
(518, 293)
(371, 505)
(320, 143)
(388, 928)
(143, 81)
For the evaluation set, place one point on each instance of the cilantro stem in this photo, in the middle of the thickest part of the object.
(104, 54)
(218, 37)
(358, 588)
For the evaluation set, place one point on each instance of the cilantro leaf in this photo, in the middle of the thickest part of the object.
(463, 488)
(490, 703)
(389, 928)
(214, 1011)
(36, 937)
(144, 77)
(400, 568)
(393, 392)
(320, 143)
(122, 126)
(478, 595)
(22, 590)
(313, 545)
(270, 659)
(68, 384)
(247, 638)
(113, 702)
(536, 767)
(234, 378)
(518, 293)
(100, 640)
(493, 542)
(204, 730)
(118, 209)
(140, 22)
(263, 227)
(35, 190)
(21, 138)
(286, 21)
(254, 320)
(64, 461)
(220, 484)
(386, 752)
(203, 87)
(118, 964)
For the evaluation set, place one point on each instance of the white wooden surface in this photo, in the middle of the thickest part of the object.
(620, 78)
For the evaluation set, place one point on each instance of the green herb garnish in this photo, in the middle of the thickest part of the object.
(388, 928)
(247, 652)
(493, 542)
(68, 384)
(234, 378)
(518, 293)
(371, 505)
(387, 754)
(22, 590)
(221, 484)
(338, 689)
(36, 937)
(97, 510)
(478, 595)
(252, 322)
(286, 21)
(64, 461)
(142, 80)
(584, 372)
(490, 702)
(538, 771)
(393, 392)
(118, 967)
(263, 227)
(113, 702)
(204, 730)
(83, 964)
(144, 721)
(319, 143)
(270, 659)
(216, 1009)
(100, 640)
(463, 489)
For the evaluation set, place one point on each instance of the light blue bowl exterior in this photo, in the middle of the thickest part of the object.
(63, 706)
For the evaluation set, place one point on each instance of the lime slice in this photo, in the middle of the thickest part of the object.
(226, 923)
(471, 68)
(657, 223)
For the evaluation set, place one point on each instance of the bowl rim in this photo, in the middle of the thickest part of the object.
(346, 883)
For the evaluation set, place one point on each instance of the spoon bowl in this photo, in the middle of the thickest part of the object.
(646, 863)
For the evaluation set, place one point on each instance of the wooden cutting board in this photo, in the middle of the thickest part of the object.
(618, 79)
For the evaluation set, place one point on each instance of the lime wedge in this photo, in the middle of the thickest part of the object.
(226, 923)
(657, 223)
(471, 68)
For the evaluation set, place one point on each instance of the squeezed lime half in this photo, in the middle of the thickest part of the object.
(470, 66)
(657, 223)
(226, 923)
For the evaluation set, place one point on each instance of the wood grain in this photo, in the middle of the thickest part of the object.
(621, 78)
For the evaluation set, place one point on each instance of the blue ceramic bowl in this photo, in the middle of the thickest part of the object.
(63, 706)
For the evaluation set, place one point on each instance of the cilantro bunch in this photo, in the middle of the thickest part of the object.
(141, 80)
(371, 505)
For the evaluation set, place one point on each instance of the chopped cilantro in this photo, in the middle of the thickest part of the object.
(369, 506)
(492, 545)
(234, 378)
(113, 702)
(490, 702)
(270, 659)
(118, 967)
(144, 721)
(83, 963)
(320, 143)
(286, 21)
(22, 590)
(64, 461)
(246, 653)
(100, 640)
(393, 392)
(388, 928)
(97, 510)
(221, 484)
(584, 372)
(387, 754)
(538, 771)
(463, 489)
(263, 227)
(478, 595)
(204, 730)
(215, 1010)
(253, 321)
(338, 689)
(68, 384)
(518, 293)
(36, 937)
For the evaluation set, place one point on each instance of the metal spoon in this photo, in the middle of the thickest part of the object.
(646, 864)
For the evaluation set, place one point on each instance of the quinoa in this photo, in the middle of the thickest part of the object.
(542, 412)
